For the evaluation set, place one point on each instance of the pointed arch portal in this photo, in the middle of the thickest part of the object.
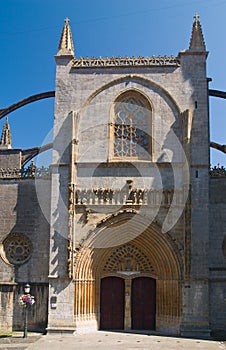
(147, 262)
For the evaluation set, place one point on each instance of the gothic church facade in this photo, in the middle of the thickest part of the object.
(126, 230)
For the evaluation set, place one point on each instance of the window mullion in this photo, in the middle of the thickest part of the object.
(131, 137)
(122, 139)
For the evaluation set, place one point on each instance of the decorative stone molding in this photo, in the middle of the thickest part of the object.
(29, 172)
(132, 163)
(105, 195)
(125, 196)
(71, 190)
(112, 216)
(218, 171)
(139, 61)
(73, 116)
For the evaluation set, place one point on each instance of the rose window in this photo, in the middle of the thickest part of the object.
(18, 248)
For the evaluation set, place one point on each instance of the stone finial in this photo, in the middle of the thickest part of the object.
(66, 47)
(197, 43)
(6, 139)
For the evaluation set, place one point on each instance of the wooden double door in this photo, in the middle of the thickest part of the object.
(142, 301)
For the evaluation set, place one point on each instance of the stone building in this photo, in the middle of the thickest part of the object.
(126, 230)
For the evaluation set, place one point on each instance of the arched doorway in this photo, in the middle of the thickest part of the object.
(150, 255)
(112, 308)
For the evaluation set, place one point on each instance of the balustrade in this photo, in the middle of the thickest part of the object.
(133, 196)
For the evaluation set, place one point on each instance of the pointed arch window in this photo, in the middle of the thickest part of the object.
(131, 126)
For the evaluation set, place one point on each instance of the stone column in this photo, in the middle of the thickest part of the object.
(127, 320)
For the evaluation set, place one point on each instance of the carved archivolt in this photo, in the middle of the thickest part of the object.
(150, 253)
(153, 251)
(128, 258)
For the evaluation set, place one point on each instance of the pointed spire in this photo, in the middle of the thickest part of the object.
(6, 139)
(66, 47)
(197, 41)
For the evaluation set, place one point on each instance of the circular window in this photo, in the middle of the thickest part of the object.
(18, 248)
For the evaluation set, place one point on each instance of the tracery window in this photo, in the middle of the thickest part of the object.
(18, 248)
(131, 127)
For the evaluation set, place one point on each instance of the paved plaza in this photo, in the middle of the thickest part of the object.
(107, 340)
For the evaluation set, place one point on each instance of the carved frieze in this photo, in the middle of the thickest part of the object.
(140, 61)
(29, 172)
(218, 171)
(128, 196)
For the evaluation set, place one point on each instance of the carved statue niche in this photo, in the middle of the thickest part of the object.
(128, 263)
(130, 198)
(135, 195)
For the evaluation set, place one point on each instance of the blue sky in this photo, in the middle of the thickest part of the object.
(30, 31)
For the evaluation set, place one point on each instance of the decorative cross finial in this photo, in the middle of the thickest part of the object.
(197, 41)
(196, 17)
(66, 47)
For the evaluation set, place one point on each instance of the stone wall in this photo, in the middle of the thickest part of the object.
(37, 313)
(10, 158)
(24, 253)
(6, 300)
(218, 253)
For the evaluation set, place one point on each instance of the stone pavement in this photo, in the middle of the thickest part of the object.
(111, 340)
(16, 341)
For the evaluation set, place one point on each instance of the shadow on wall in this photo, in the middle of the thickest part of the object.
(37, 313)
(30, 252)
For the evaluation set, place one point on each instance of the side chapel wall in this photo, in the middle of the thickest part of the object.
(22, 215)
